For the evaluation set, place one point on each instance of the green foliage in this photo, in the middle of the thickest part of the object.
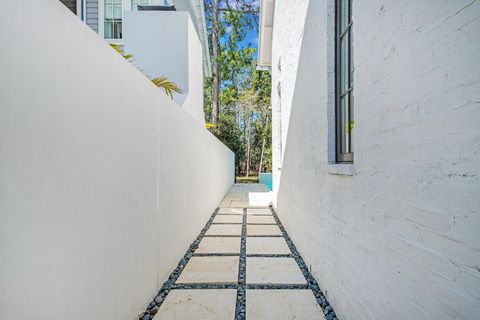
(161, 82)
(246, 120)
(245, 114)
(227, 131)
(207, 98)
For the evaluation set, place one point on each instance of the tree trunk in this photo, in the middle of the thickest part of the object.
(216, 77)
(263, 147)
(247, 165)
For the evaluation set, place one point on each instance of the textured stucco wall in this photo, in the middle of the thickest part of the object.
(400, 239)
(104, 180)
(285, 55)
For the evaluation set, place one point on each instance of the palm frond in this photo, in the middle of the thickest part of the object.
(129, 57)
(161, 82)
(167, 85)
(116, 47)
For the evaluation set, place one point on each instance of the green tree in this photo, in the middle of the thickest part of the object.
(221, 15)
(240, 114)
(229, 133)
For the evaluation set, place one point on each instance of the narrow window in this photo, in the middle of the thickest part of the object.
(113, 19)
(344, 81)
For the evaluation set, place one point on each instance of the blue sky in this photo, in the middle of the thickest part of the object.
(252, 37)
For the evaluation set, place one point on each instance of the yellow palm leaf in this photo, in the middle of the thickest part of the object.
(161, 82)
(167, 85)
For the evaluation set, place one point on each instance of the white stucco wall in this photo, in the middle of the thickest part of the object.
(400, 239)
(166, 43)
(104, 180)
(284, 72)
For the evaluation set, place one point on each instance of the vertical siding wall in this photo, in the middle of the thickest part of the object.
(400, 239)
(91, 14)
(104, 180)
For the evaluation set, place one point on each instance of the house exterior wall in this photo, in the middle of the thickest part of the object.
(160, 52)
(91, 14)
(70, 4)
(100, 173)
(196, 9)
(400, 238)
(194, 101)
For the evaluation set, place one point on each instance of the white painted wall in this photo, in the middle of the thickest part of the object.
(166, 43)
(104, 181)
(400, 239)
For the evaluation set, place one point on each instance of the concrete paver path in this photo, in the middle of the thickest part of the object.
(243, 265)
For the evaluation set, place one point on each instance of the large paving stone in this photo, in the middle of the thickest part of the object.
(224, 229)
(267, 246)
(209, 304)
(239, 204)
(260, 219)
(219, 245)
(282, 305)
(210, 270)
(230, 211)
(228, 218)
(259, 211)
(263, 230)
(274, 270)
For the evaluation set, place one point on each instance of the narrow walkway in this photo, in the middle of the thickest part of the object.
(243, 265)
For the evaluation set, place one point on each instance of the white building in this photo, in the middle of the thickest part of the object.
(166, 37)
(166, 43)
(107, 17)
(386, 208)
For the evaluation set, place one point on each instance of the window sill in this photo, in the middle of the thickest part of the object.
(118, 42)
(341, 169)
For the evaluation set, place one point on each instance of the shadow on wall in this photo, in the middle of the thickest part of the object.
(305, 150)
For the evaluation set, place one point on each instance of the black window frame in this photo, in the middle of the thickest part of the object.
(114, 23)
(341, 156)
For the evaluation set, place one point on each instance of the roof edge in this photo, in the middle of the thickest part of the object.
(267, 10)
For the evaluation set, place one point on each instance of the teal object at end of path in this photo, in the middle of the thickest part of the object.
(266, 179)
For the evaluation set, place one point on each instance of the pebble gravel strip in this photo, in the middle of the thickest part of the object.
(221, 236)
(240, 309)
(205, 286)
(261, 224)
(216, 254)
(312, 283)
(283, 286)
(252, 255)
(269, 255)
(227, 223)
